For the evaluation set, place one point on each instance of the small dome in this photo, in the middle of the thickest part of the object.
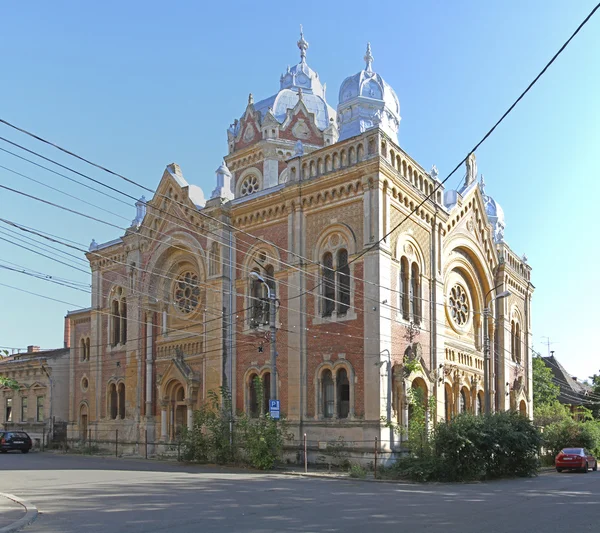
(297, 82)
(494, 212)
(367, 101)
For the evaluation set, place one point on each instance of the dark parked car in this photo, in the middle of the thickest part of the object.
(575, 459)
(14, 440)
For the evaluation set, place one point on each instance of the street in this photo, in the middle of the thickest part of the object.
(93, 494)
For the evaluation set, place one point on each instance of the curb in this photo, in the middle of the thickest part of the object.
(31, 514)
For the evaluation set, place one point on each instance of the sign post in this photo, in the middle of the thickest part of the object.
(274, 409)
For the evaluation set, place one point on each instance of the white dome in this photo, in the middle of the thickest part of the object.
(299, 79)
(367, 101)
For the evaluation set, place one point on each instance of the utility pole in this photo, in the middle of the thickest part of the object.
(273, 327)
(487, 313)
(272, 297)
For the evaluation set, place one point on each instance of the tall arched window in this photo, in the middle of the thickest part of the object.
(327, 394)
(478, 406)
(121, 399)
(259, 297)
(462, 402)
(404, 291)
(116, 323)
(82, 350)
(253, 405)
(415, 294)
(343, 393)
(123, 307)
(328, 285)
(113, 401)
(87, 349)
(517, 343)
(343, 282)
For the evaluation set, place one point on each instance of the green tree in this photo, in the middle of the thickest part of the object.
(595, 404)
(545, 391)
(6, 381)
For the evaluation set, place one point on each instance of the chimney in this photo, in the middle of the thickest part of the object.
(67, 339)
(32, 349)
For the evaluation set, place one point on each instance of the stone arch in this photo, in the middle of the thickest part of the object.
(83, 420)
(255, 406)
(334, 399)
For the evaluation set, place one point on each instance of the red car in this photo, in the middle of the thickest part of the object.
(575, 459)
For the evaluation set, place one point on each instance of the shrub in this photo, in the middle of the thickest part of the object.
(357, 471)
(570, 434)
(471, 448)
(217, 437)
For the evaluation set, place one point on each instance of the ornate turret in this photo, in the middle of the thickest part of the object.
(367, 101)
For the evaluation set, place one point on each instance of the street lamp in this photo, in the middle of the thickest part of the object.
(486, 345)
(273, 327)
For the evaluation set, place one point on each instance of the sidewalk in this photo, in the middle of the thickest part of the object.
(15, 514)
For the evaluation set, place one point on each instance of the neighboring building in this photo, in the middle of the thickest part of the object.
(573, 393)
(40, 405)
(308, 197)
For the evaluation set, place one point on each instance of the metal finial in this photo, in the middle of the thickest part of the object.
(482, 185)
(369, 58)
(303, 45)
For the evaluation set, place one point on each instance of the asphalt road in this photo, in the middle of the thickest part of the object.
(89, 495)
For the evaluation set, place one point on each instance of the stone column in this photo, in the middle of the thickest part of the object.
(405, 418)
(190, 414)
(149, 343)
(163, 420)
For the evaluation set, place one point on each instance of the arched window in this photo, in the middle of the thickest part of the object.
(123, 307)
(259, 297)
(343, 393)
(343, 282)
(82, 350)
(116, 323)
(478, 406)
(327, 394)
(121, 399)
(448, 403)
(113, 401)
(415, 294)
(253, 405)
(87, 349)
(462, 402)
(328, 285)
(517, 343)
(404, 291)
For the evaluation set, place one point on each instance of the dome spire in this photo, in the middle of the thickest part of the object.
(303, 45)
(369, 58)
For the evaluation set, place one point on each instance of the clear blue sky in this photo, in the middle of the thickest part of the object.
(138, 85)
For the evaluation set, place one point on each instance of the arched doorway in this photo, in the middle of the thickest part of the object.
(83, 422)
(418, 403)
(174, 411)
(523, 408)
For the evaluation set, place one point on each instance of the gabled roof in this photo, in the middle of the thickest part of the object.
(572, 392)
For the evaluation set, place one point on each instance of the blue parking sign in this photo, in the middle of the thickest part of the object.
(274, 408)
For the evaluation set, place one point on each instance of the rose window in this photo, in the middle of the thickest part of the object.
(249, 186)
(459, 305)
(187, 292)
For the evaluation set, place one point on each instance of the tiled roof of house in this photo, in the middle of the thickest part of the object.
(572, 391)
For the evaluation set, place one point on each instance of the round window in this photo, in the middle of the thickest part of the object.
(458, 302)
(249, 185)
(84, 384)
(187, 292)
